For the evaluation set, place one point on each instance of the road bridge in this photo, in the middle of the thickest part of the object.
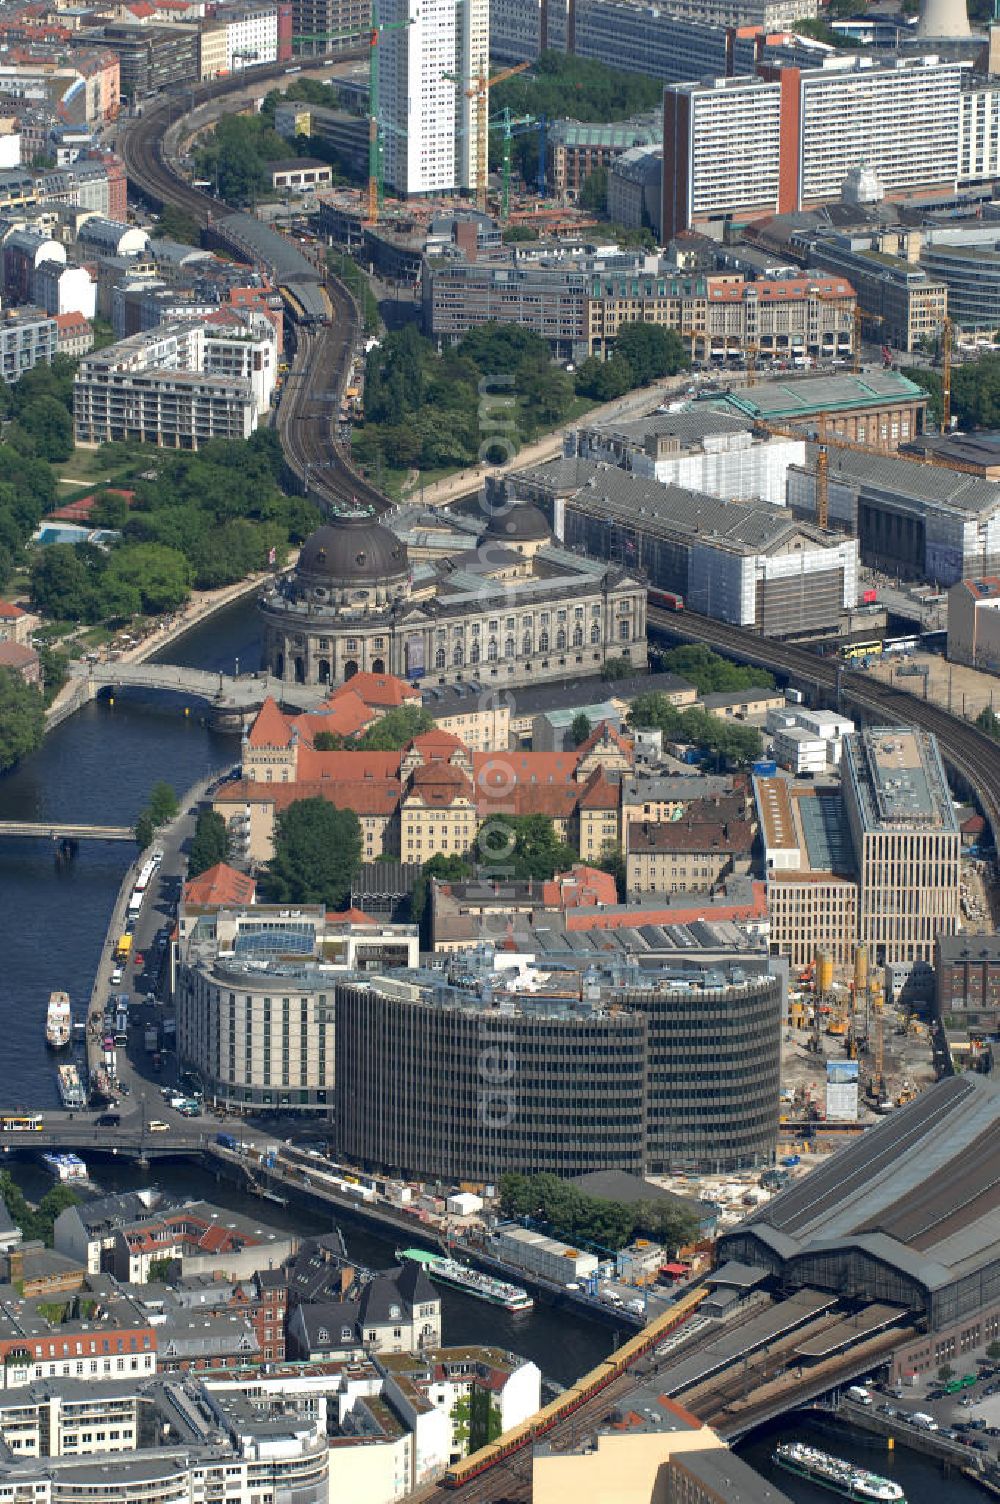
(53, 830)
(228, 695)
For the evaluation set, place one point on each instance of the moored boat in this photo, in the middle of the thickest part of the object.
(470, 1281)
(71, 1092)
(58, 1021)
(842, 1477)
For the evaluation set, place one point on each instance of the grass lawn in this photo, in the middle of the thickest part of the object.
(88, 466)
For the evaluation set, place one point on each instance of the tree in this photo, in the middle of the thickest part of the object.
(617, 668)
(710, 673)
(945, 1372)
(614, 862)
(328, 741)
(987, 720)
(162, 576)
(651, 351)
(209, 844)
(175, 224)
(594, 192)
(22, 719)
(451, 868)
(604, 380)
(395, 729)
(51, 428)
(580, 729)
(528, 843)
(993, 1351)
(317, 851)
(159, 1269)
(144, 829)
(61, 585)
(163, 804)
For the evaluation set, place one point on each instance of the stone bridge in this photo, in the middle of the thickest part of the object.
(238, 697)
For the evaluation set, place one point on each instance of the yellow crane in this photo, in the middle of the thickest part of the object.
(946, 332)
(480, 91)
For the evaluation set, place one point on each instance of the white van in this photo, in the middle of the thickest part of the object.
(859, 1395)
(922, 1421)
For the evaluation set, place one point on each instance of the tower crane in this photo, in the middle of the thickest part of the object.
(479, 89)
(504, 122)
(376, 158)
(946, 332)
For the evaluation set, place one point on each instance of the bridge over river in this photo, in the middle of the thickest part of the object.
(230, 698)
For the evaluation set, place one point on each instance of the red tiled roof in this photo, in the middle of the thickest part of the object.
(366, 796)
(556, 800)
(602, 734)
(504, 770)
(599, 792)
(270, 728)
(351, 916)
(580, 886)
(70, 322)
(436, 744)
(80, 510)
(347, 766)
(983, 589)
(439, 784)
(382, 690)
(220, 885)
(344, 717)
(10, 612)
(16, 655)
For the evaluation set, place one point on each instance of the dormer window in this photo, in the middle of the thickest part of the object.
(394, 1313)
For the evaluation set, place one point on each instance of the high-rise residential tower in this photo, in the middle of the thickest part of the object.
(431, 52)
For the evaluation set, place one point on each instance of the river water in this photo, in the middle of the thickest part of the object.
(98, 767)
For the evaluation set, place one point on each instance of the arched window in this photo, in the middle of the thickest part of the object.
(492, 652)
(526, 645)
(458, 656)
(560, 640)
(474, 652)
(439, 658)
(578, 637)
(543, 642)
(508, 647)
(595, 632)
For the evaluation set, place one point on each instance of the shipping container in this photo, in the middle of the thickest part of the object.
(869, 597)
(764, 769)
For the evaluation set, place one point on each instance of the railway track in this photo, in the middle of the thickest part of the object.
(323, 355)
(969, 751)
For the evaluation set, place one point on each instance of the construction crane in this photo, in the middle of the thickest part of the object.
(479, 91)
(822, 477)
(862, 315)
(751, 352)
(946, 332)
(509, 126)
(376, 159)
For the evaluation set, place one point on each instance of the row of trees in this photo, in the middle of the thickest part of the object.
(160, 809)
(568, 1212)
(710, 673)
(198, 520)
(975, 391)
(642, 353)
(436, 409)
(725, 741)
(317, 852)
(22, 719)
(35, 1222)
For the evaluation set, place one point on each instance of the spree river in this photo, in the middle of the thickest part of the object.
(98, 767)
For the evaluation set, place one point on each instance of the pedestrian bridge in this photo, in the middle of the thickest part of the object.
(228, 695)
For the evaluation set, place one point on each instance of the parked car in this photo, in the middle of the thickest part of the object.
(156, 1126)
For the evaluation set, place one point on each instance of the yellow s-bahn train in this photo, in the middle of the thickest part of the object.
(571, 1399)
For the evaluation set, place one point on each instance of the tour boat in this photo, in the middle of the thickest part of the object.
(58, 1021)
(461, 1277)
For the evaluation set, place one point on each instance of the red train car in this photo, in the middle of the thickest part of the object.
(667, 600)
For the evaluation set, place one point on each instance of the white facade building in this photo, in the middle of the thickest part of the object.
(800, 751)
(428, 123)
(64, 289)
(245, 349)
(251, 35)
(155, 387)
(831, 727)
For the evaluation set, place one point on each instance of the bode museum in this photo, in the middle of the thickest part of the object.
(510, 607)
